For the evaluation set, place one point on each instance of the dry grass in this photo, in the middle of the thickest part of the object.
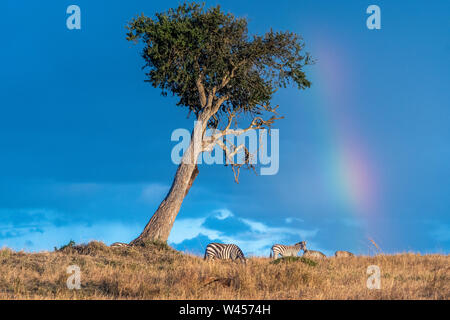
(158, 272)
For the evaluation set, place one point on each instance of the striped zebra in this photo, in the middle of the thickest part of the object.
(223, 252)
(339, 254)
(287, 251)
(119, 245)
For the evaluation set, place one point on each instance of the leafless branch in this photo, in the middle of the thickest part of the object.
(200, 86)
(218, 136)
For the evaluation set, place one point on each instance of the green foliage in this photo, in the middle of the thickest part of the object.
(92, 248)
(191, 43)
(304, 260)
(68, 245)
(154, 244)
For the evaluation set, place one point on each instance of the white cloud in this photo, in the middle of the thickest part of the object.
(51, 236)
(223, 214)
(190, 228)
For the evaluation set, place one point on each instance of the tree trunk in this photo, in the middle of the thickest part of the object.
(161, 223)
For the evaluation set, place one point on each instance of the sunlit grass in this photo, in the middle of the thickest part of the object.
(158, 272)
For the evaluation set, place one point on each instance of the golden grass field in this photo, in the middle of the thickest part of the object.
(158, 272)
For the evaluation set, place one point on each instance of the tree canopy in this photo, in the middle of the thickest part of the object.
(207, 59)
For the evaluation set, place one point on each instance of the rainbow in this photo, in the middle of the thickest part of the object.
(350, 171)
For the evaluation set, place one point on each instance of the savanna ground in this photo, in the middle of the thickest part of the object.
(158, 272)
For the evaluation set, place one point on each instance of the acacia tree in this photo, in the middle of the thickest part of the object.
(206, 58)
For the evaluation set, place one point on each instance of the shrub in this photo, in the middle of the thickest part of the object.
(304, 260)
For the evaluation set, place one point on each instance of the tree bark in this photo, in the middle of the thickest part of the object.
(161, 223)
(191, 181)
(159, 226)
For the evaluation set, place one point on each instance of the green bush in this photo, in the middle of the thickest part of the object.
(304, 260)
(69, 245)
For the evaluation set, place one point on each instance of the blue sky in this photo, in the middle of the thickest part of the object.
(85, 143)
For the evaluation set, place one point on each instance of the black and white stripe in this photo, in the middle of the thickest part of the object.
(287, 251)
(224, 251)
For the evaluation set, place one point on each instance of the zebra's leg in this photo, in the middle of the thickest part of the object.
(208, 258)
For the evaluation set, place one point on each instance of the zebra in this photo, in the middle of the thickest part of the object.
(339, 254)
(224, 251)
(119, 245)
(286, 251)
(313, 254)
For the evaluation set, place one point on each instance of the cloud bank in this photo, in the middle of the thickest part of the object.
(254, 237)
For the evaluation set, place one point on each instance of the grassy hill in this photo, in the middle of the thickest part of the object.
(156, 271)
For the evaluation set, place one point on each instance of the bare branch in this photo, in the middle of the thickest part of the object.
(227, 78)
(219, 103)
(211, 97)
(230, 152)
(201, 92)
(257, 123)
(201, 89)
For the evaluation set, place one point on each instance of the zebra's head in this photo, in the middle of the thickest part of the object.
(301, 244)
